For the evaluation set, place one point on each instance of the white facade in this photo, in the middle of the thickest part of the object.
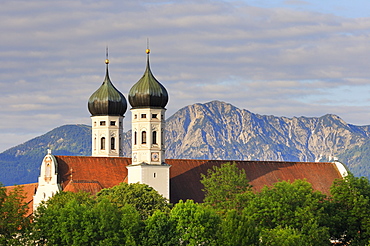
(341, 168)
(156, 176)
(148, 126)
(107, 136)
(48, 184)
(148, 150)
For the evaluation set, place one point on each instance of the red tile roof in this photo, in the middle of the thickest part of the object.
(90, 186)
(91, 173)
(28, 191)
(185, 175)
(107, 171)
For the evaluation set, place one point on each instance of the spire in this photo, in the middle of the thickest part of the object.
(107, 100)
(106, 62)
(147, 46)
(147, 51)
(148, 91)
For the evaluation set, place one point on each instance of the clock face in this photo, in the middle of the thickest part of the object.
(155, 156)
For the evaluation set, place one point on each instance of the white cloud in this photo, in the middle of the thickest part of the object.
(286, 62)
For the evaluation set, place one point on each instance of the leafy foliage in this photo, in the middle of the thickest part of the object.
(292, 206)
(13, 212)
(159, 230)
(195, 224)
(238, 229)
(284, 214)
(82, 220)
(283, 237)
(144, 198)
(224, 186)
(351, 205)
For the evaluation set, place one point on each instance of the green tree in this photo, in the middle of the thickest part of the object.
(130, 226)
(159, 230)
(294, 206)
(82, 220)
(13, 212)
(195, 224)
(282, 237)
(350, 209)
(61, 198)
(237, 229)
(225, 187)
(144, 198)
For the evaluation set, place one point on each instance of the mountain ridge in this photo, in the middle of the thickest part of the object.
(213, 130)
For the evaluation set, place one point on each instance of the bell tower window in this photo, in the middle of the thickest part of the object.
(112, 143)
(143, 137)
(154, 137)
(135, 138)
(102, 143)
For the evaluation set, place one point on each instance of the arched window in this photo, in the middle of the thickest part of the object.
(112, 143)
(135, 138)
(94, 143)
(47, 172)
(154, 140)
(102, 143)
(143, 137)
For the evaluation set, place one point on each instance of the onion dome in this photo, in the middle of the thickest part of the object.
(107, 100)
(148, 92)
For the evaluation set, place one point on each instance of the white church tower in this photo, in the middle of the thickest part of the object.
(148, 99)
(107, 107)
(48, 183)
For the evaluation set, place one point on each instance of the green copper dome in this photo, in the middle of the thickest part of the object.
(148, 92)
(107, 100)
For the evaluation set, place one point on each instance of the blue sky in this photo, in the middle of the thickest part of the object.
(284, 58)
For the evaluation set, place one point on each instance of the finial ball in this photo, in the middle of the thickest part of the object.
(147, 51)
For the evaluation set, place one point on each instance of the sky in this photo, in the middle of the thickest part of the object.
(285, 58)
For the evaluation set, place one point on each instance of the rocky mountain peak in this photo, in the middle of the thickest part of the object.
(213, 130)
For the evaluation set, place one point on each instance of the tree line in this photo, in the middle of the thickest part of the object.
(287, 213)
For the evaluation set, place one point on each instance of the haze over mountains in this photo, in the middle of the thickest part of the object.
(214, 130)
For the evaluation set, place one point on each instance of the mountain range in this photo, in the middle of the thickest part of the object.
(213, 130)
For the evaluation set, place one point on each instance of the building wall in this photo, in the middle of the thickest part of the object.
(148, 129)
(48, 184)
(107, 136)
(156, 176)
